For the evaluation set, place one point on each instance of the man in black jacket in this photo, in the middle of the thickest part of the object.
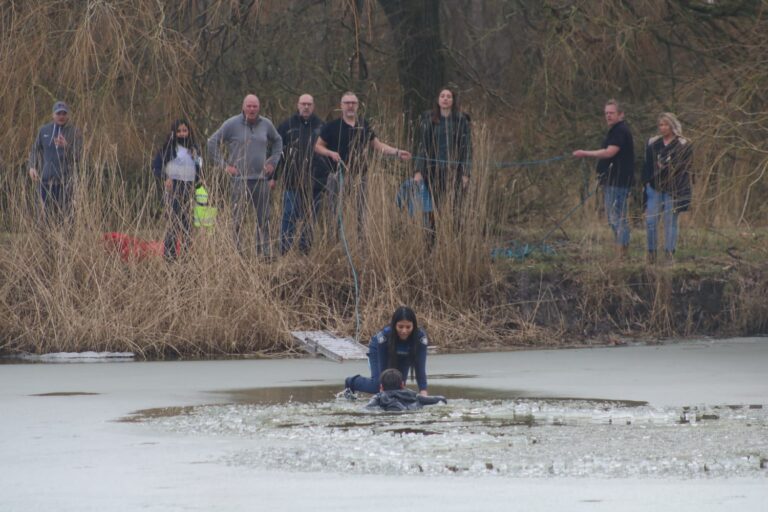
(394, 396)
(303, 171)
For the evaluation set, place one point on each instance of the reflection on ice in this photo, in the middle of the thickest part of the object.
(512, 437)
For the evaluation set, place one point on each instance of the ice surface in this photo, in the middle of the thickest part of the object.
(517, 438)
(62, 448)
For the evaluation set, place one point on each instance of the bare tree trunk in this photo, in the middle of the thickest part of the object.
(421, 63)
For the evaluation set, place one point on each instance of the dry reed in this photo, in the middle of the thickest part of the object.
(129, 67)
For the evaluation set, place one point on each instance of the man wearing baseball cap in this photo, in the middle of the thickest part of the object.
(55, 155)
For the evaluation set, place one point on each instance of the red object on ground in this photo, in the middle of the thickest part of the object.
(132, 248)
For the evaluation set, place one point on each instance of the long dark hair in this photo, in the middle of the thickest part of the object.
(169, 148)
(400, 314)
(455, 108)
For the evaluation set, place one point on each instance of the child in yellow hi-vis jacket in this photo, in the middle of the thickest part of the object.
(204, 215)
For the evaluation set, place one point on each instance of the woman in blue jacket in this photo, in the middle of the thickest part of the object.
(401, 345)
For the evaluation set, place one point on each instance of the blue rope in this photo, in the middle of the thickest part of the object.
(498, 165)
(528, 163)
(517, 250)
(340, 210)
(522, 251)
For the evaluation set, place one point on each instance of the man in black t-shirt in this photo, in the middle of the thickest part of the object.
(615, 171)
(347, 140)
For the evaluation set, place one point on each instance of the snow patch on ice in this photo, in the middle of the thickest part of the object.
(76, 357)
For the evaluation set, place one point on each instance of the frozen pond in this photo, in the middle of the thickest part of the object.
(520, 437)
(675, 427)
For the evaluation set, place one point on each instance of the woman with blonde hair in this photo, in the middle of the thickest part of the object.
(667, 182)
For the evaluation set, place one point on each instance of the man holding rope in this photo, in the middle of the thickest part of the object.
(346, 141)
(615, 172)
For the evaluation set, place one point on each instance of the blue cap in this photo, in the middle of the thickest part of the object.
(60, 106)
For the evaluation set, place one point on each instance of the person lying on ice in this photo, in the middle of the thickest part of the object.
(394, 396)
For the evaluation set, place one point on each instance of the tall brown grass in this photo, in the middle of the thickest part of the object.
(65, 289)
(129, 67)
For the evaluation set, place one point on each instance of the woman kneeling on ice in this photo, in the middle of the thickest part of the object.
(400, 345)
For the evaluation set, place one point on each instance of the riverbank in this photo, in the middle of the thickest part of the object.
(75, 294)
(615, 301)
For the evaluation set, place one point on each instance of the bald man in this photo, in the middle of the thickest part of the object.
(248, 148)
(303, 172)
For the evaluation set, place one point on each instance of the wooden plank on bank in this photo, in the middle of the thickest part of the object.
(331, 346)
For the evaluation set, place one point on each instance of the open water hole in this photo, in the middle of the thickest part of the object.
(479, 432)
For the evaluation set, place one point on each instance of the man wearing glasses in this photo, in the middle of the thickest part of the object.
(54, 157)
(303, 172)
(347, 140)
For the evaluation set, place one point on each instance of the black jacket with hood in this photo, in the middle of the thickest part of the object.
(402, 400)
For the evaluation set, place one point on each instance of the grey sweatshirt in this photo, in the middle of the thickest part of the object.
(245, 146)
(56, 163)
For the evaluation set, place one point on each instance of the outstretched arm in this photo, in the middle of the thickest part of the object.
(608, 152)
(389, 150)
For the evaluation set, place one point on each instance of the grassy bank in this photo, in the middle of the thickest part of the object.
(67, 290)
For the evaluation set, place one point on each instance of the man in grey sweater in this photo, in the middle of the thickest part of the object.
(248, 147)
(55, 154)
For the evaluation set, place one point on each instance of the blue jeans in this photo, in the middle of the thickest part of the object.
(295, 209)
(365, 384)
(658, 202)
(616, 210)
